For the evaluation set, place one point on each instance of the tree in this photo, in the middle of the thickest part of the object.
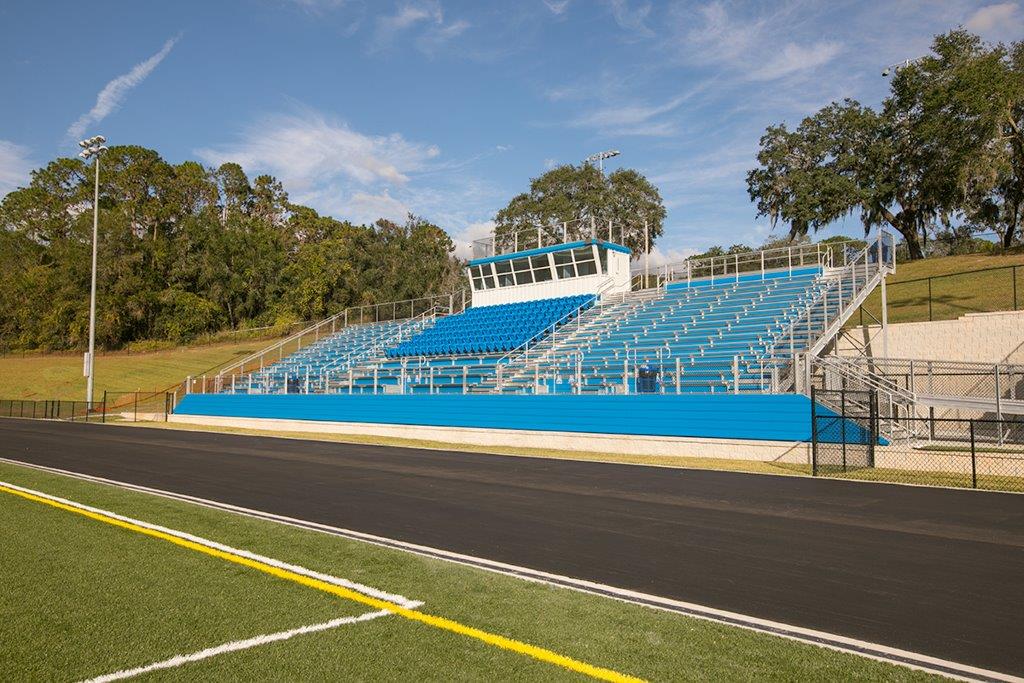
(932, 153)
(581, 200)
(186, 250)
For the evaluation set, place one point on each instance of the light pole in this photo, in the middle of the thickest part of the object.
(600, 157)
(93, 147)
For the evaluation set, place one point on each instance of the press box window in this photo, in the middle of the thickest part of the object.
(521, 266)
(541, 268)
(563, 265)
(505, 277)
(585, 264)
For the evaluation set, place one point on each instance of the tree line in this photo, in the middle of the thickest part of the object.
(943, 153)
(186, 250)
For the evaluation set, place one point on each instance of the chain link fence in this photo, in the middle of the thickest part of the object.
(122, 406)
(972, 453)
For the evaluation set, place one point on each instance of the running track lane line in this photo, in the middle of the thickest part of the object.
(434, 621)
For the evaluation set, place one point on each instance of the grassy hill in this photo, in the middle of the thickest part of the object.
(50, 376)
(951, 297)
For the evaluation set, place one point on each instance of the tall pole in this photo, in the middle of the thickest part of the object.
(92, 296)
(647, 251)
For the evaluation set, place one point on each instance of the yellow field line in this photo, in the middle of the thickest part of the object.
(442, 623)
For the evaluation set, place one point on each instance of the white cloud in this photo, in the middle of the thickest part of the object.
(630, 119)
(793, 58)
(660, 257)
(629, 18)
(749, 46)
(1003, 20)
(114, 92)
(464, 238)
(363, 207)
(15, 166)
(429, 13)
(307, 148)
(557, 6)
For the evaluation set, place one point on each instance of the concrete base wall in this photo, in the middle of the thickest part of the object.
(735, 449)
(981, 337)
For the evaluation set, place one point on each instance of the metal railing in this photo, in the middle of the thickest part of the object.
(730, 267)
(815, 325)
(522, 352)
(554, 234)
(356, 315)
(949, 296)
(996, 388)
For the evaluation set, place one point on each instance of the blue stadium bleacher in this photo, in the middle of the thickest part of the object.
(491, 329)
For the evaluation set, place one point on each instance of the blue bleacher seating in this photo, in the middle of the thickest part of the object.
(491, 329)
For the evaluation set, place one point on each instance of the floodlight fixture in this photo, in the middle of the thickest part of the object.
(895, 67)
(601, 156)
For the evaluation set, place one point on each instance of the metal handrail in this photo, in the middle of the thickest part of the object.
(396, 336)
(239, 367)
(852, 269)
(786, 257)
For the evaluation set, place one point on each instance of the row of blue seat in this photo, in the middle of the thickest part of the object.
(489, 329)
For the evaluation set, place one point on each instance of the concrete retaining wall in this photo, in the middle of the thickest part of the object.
(982, 337)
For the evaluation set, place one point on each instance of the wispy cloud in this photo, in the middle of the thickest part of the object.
(631, 19)
(749, 46)
(15, 166)
(427, 13)
(114, 92)
(557, 7)
(793, 58)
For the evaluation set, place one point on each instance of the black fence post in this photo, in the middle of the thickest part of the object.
(929, 299)
(1014, 274)
(873, 426)
(842, 423)
(814, 433)
(974, 460)
(103, 415)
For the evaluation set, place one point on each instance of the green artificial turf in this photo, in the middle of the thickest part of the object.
(83, 598)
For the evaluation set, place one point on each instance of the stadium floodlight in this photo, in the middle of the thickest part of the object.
(93, 147)
(600, 157)
(893, 68)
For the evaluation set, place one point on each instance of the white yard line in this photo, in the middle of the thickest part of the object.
(234, 646)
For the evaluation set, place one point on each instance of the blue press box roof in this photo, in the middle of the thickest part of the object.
(547, 250)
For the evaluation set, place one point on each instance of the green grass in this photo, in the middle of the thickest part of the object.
(82, 598)
(53, 376)
(951, 297)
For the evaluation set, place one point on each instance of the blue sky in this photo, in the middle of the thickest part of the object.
(446, 108)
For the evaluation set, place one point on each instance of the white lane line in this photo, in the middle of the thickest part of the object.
(234, 646)
(832, 641)
(345, 583)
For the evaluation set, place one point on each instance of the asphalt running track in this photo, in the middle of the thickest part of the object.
(934, 571)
